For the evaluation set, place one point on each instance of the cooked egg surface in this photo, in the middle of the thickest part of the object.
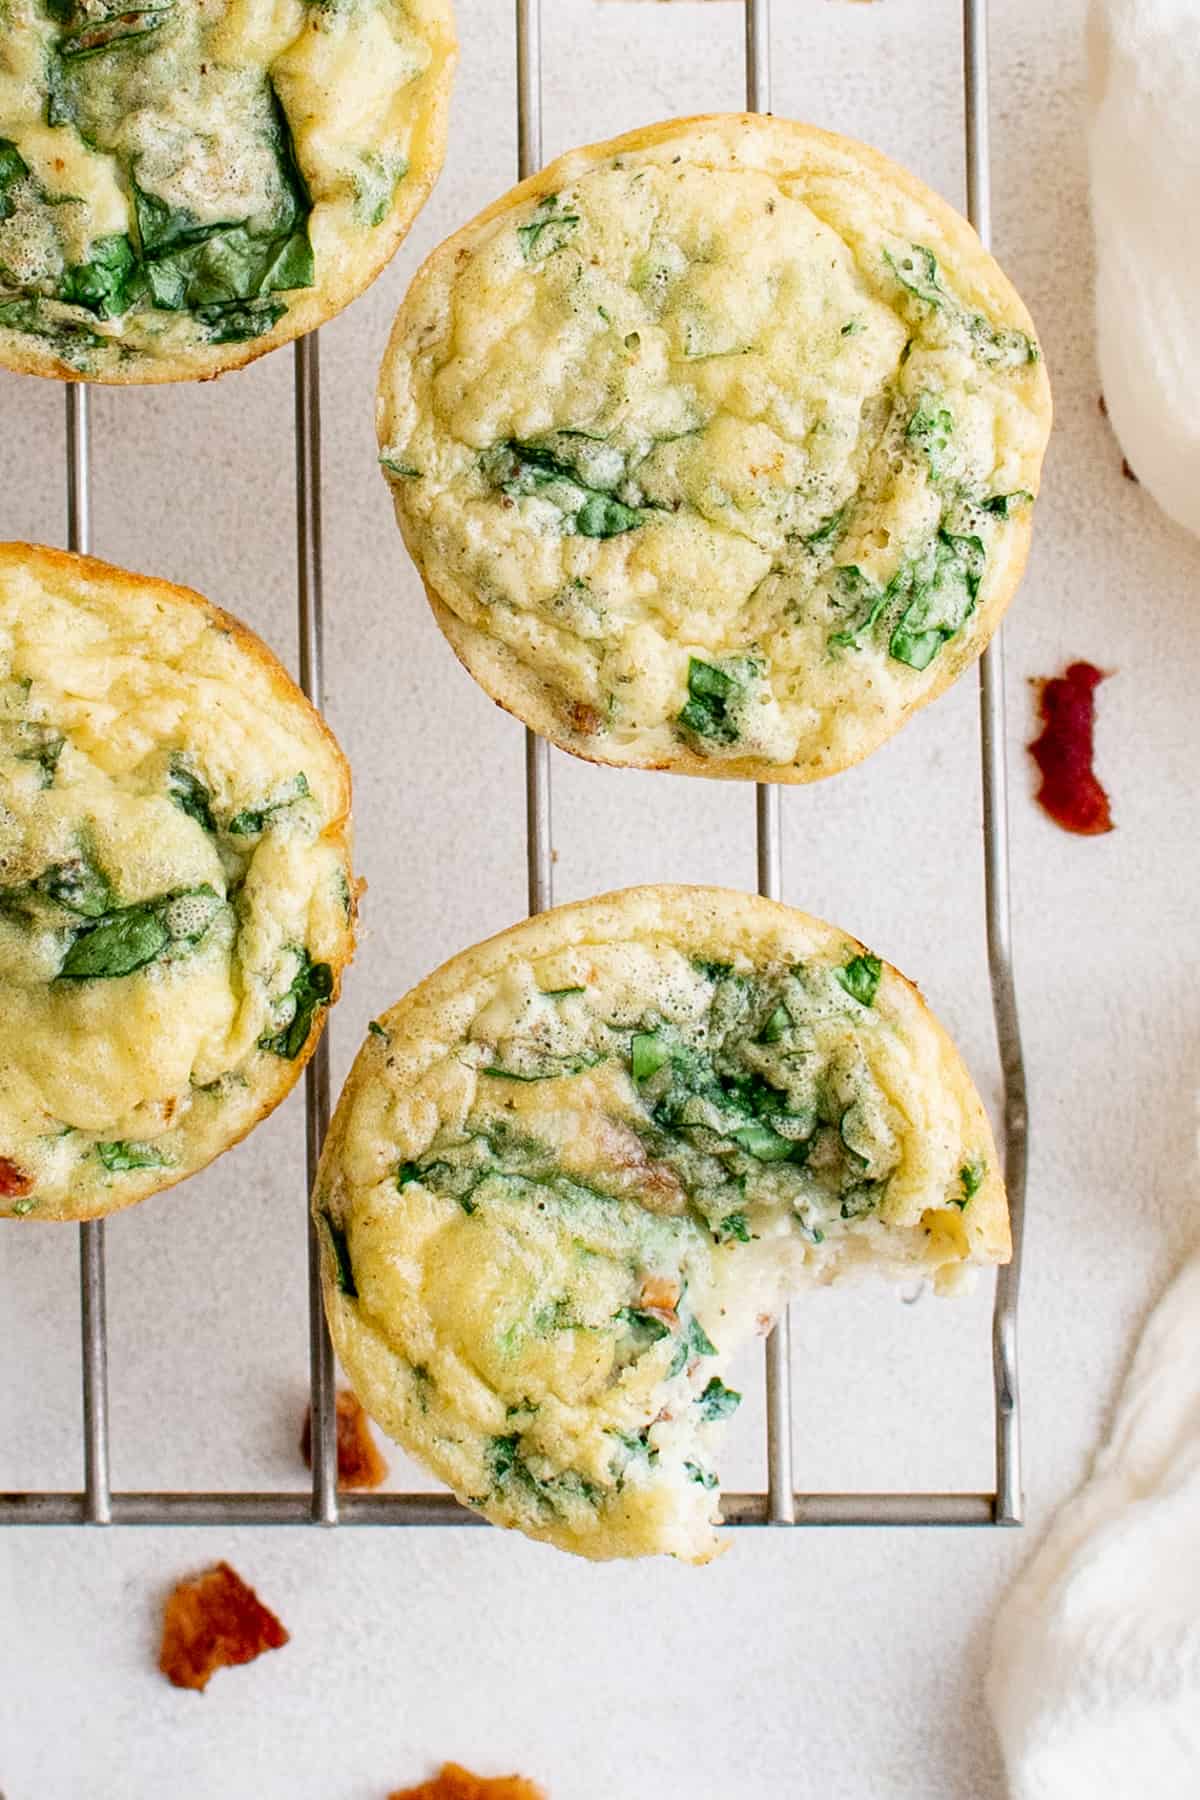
(717, 447)
(576, 1169)
(176, 898)
(187, 184)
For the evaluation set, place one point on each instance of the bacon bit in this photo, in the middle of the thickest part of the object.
(457, 1783)
(1070, 792)
(14, 1182)
(660, 1294)
(359, 1463)
(659, 1188)
(583, 718)
(214, 1621)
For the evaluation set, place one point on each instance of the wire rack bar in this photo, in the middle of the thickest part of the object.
(781, 1504)
(769, 840)
(310, 602)
(231, 1509)
(539, 835)
(93, 1306)
(993, 741)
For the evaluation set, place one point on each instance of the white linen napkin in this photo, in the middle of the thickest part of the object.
(1094, 1685)
(1144, 147)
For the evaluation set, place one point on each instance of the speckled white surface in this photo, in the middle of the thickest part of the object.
(816, 1665)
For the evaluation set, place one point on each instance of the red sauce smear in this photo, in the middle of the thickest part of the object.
(1070, 792)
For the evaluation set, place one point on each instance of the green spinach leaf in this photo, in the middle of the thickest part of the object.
(252, 821)
(552, 226)
(13, 168)
(716, 693)
(943, 599)
(312, 986)
(860, 978)
(930, 430)
(718, 1401)
(121, 942)
(109, 282)
(998, 346)
(123, 1154)
(343, 1268)
(190, 794)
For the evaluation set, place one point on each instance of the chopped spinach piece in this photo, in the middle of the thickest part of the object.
(130, 938)
(578, 480)
(560, 993)
(13, 168)
(252, 821)
(109, 282)
(190, 794)
(22, 1208)
(733, 1227)
(852, 327)
(715, 696)
(869, 601)
(46, 757)
(78, 885)
(971, 1179)
(1005, 505)
(552, 226)
(68, 336)
(705, 1477)
(776, 1027)
(718, 1401)
(930, 430)
(343, 1268)
(648, 1052)
(377, 1030)
(311, 988)
(399, 469)
(997, 346)
(234, 324)
(646, 1327)
(693, 1342)
(829, 529)
(942, 600)
(375, 183)
(860, 978)
(123, 1154)
(509, 1469)
(223, 271)
(113, 32)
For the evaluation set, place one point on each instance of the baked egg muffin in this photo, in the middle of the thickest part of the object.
(185, 185)
(176, 897)
(716, 447)
(575, 1170)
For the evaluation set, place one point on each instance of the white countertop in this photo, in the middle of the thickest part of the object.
(816, 1664)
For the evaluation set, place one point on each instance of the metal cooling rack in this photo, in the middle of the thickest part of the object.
(780, 1505)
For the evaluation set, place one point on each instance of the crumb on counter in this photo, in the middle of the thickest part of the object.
(456, 1783)
(214, 1621)
(360, 1464)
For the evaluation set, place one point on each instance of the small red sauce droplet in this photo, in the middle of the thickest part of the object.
(1070, 792)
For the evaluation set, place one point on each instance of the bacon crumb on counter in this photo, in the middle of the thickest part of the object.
(360, 1464)
(1070, 791)
(214, 1621)
(455, 1783)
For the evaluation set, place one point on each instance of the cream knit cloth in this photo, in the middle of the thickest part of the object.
(1144, 146)
(1095, 1679)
